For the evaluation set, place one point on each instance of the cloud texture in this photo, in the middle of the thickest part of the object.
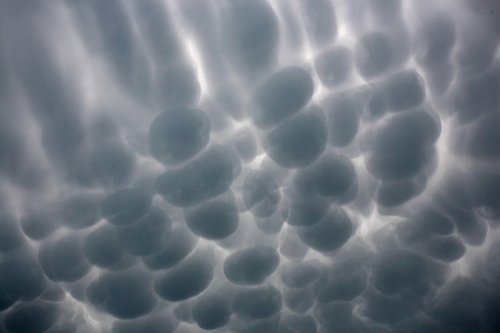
(289, 166)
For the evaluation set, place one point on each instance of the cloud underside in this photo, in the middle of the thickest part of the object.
(249, 166)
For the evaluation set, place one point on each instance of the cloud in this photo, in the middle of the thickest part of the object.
(249, 166)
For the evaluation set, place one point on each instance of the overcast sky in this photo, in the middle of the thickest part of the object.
(289, 166)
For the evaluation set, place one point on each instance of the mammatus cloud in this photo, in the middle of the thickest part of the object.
(290, 166)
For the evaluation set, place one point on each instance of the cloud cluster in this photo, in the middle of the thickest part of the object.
(289, 166)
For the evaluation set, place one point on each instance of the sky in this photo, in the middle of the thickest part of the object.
(289, 166)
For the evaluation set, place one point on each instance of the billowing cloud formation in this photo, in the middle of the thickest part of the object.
(289, 166)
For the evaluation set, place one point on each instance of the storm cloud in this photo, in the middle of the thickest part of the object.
(289, 166)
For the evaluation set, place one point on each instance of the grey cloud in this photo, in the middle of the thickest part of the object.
(249, 166)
